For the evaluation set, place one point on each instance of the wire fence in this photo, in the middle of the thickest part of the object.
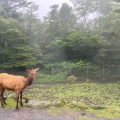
(89, 72)
(103, 71)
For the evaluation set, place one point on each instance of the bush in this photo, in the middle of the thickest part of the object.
(71, 79)
(48, 78)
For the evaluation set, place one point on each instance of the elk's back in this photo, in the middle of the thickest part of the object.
(2, 77)
(11, 82)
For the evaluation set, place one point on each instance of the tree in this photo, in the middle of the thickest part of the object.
(12, 8)
(67, 20)
(89, 11)
(15, 48)
(61, 22)
(109, 30)
(31, 25)
(81, 46)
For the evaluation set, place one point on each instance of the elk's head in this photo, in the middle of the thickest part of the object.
(32, 73)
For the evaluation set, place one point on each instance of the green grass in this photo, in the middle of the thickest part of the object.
(101, 99)
(95, 98)
(106, 113)
(11, 103)
(47, 78)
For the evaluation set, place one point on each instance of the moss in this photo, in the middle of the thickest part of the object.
(11, 103)
(43, 105)
(80, 105)
(85, 118)
(62, 102)
(105, 113)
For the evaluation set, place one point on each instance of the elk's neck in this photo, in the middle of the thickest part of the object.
(29, 81)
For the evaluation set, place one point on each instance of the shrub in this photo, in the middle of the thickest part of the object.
(71, 79)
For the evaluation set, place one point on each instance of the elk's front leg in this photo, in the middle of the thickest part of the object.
(17, 99)
(21, 99)
(1, 99)
(1, 96)
(4, 100)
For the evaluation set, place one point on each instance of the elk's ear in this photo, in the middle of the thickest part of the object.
(28, 70)
(37, 69)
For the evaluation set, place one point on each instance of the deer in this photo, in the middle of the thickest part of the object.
(15, 83)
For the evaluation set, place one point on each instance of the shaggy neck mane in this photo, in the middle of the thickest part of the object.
(29, 80)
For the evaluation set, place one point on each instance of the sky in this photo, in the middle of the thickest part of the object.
(44, 5)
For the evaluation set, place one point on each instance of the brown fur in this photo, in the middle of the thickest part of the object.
(15, 83)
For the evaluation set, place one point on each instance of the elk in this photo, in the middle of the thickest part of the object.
(15, 83)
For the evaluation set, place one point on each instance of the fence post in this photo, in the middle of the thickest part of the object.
(52, 71)
(70, 70)
(103, 73)
(118, 69)
(87, 71)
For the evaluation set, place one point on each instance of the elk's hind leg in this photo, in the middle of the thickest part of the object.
(4, 98)
(1, 96)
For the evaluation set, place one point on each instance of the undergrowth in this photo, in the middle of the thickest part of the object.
(101, 99)
(47, 78)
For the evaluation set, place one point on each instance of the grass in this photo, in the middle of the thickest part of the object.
(101, 99)
(85, 118)
(47, 78)
(106, 113)
(10, 103)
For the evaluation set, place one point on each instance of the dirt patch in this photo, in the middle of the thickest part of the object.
(43, 114)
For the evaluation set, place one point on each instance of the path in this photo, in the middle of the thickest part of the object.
(43, 114)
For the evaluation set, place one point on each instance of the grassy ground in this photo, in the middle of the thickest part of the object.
(101, 99)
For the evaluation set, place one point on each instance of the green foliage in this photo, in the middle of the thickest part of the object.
(78, 64)
(50, 78)
(57, 41)
(11, 8)
(86, 33)
(11, 103)
(81, 46)
(15, 49)
(79, 105)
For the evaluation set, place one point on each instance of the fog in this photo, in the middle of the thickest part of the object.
(44, 5)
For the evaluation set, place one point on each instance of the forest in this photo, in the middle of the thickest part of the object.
(77, 49)
(67, 37)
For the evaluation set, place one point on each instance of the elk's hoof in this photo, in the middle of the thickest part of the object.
(21, 105)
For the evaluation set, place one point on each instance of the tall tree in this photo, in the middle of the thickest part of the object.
(31, 23)
(88, 10)
(110, 52)
(67, 20)
(15, 48)
(61, 22)
(13, 7)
